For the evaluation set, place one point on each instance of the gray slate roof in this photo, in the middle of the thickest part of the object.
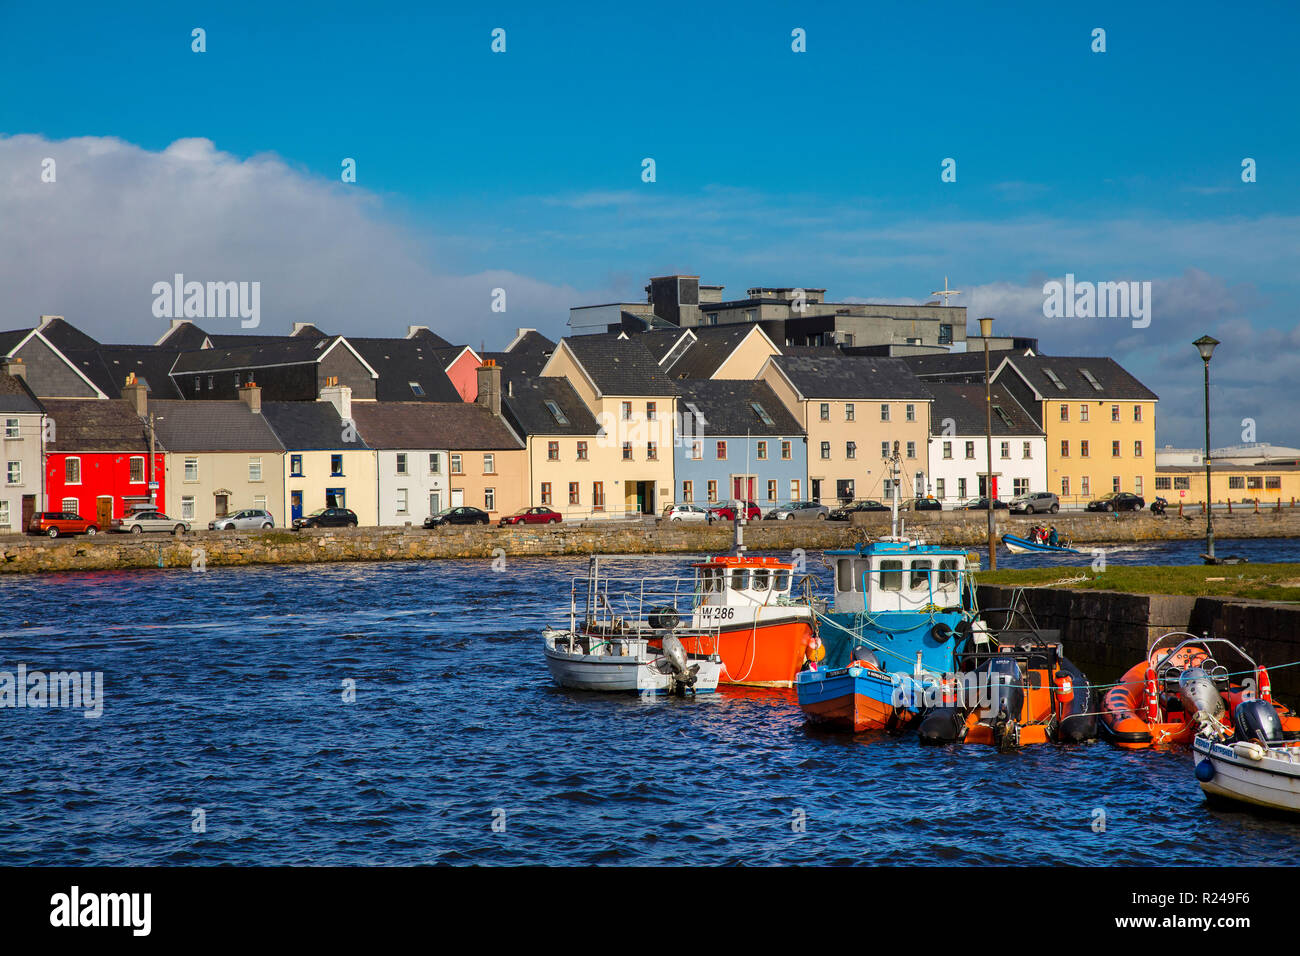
(309, 426)
(837, 376)
(402, 361)
(417, 425)
(533, 341)
(620, 366)
(964, 404)
(212, 426)
(108, 366)
(1116, 383)
(726, 407)
(713, 345)
(15, 396)
(524, 405)
(95, 424)
(285, 350)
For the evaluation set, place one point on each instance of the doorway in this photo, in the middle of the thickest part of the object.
(223, 505)
(743, 487)
(816, 489)
(645, 497)
(295, 504)
(29, 509)
(104, 511)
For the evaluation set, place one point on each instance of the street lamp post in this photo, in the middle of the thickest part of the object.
(986, 329)
(1205, 346)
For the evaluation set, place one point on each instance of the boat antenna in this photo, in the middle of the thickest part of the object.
(893, 492)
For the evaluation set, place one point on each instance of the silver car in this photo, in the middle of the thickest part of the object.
(685, 513)
(250, 519)
(141, 521)
(798, 511)
(1036, 503)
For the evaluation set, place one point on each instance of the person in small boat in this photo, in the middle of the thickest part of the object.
(1053, 538)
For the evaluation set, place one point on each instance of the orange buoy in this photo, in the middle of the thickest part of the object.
(1064, 688)
(815, 651)
(1152, 697)
(1265, 688)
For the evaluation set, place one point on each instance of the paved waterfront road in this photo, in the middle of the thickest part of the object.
(223, 694)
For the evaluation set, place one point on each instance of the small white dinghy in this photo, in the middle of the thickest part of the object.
(627, 664)
(1257, 765)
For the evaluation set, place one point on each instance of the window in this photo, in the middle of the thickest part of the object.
(136, 465)
(785, 451)
(1114, 483)
(575, 495)
(713, 318)
(11, 428)
(1026, 450)
(970, 450)
(554, 409)
(72, 471)
(489, 499)
(1006, 449)
(688, 491)
(1083, 449)
(651, 411)
(891, 575)
(910, 413)
(336, 466)
(1114, 449)
(1273, 482)
(651, 451)
(401, 501)
(14, 473)
(187, 507)
(1091, 379)
(546, 492)
(697, 450)
(1182, 484)
(582, 451)
(192, 468)
(598, 496)
(1084, 488)
(939, 488)
(295, 467)
(1137, 413)
(713, 491)
(961, 488)
(1054, 379)
(794, 489)
(416, 389)
(456, 465)
(435, 463)
(947, 449)
(1114, 413)
(884, 449)
(489, 464)
(1065, 449)
(627, 451)
(401, 463)
(1137, 449)
(771, 490)
(1019, 486)
(826, 450)
(826, 411)
(1137, 484)
(884, 413)
(848, 411)
(1255, 482)
(919, 579)
(1083, 413)
(911, 449)
(1162, 484)
(259, 502)
(1065, 487)
(945, 333)
(762, 451)
(722, 451)
(71, 506)
(198, 383)
(627, 411)
(211, 382)
(850, 450)
(255, 469)
(552, 451)
(1065, 412)
(762, 414)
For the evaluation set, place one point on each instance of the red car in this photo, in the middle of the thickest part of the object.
(727, 512)
(531, 516)
(55, 523)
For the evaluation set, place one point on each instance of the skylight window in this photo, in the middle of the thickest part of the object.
(1055, 381)
(416, 389)
(558, 415)
(762, 414)
(1006, 419)
(1091, 379)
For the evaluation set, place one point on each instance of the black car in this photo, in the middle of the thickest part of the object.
(843, 514)
(921, 504)
(1118, 501)
(327, 518)
(461, 515)
(982, 504)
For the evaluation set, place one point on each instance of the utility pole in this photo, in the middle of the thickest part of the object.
(986, 329)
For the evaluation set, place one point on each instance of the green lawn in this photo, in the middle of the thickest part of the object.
(1262, 582)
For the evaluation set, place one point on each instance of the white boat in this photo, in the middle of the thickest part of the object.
(627, 664)
(1256, 766)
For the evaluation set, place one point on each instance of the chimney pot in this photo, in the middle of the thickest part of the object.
(489, 386)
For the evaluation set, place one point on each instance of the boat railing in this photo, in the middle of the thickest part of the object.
(622, 602)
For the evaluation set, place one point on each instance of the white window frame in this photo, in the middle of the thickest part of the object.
(255, 469)
(194, 464)
(66, 462)
(14, 473)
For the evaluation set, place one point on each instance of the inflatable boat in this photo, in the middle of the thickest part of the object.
(1184, 685)
(1018, 545)
(1257, 765)
(1014, 688)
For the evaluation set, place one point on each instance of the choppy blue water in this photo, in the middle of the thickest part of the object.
(224, 693)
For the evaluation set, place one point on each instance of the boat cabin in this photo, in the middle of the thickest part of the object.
(733, 588)
(898, 576)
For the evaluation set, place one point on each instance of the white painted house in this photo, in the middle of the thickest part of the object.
(21, 445)
(959, 446)
(413, 476)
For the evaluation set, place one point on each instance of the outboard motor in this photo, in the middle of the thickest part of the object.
(1199, 695)
(943, 725)
(683, 671)
(1000, 689)
(1257, 720)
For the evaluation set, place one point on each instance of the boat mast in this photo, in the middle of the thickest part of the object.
(893, 493)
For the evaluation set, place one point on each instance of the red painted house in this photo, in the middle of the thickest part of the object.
(462, 369)
(98, 463)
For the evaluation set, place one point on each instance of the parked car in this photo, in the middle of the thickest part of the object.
(139, 522)
(55, 523)
(726, 511)
(327, 518)
(921, 504)
(1036, 503)
(461, 515)
(982, 504)
(798, 511)
(247, 520)
(685, 513)
(1117, 501)
(846, 512)
(532, 516)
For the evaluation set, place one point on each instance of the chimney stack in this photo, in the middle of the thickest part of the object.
(16, 368)
(251, 395)
(413, 330)
(340, 396)
(489, 386)
(135, 395)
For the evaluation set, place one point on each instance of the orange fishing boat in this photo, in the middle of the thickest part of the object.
(1182, 687)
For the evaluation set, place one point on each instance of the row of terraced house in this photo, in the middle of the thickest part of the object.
(643, 406)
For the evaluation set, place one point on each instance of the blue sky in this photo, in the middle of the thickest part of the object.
(523, 169)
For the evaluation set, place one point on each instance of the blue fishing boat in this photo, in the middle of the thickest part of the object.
(888, 645)
(1018, 545)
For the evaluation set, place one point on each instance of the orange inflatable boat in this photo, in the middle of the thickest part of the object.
(1185, 683)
